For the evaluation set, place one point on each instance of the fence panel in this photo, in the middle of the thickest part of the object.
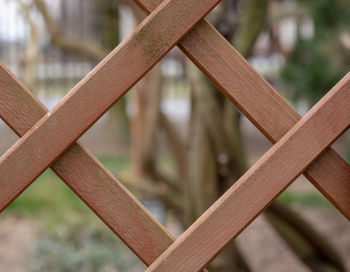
(298, 142)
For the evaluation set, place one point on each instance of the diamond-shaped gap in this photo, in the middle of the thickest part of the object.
(256, 145)
(255, 150)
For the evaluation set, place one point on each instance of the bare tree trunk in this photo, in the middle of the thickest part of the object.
(31, 51)
(252, 18)
(145, 128)
(213, 158)
(92, 50)
(305, 241)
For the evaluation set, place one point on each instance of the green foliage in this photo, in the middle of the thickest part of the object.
(310, 72)
(307, 199)
(71, 236)
(317, 64)
(81, 245)
(330, 16)
(49, 199)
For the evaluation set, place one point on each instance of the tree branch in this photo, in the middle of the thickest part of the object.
(251, 21)
(89, 49)
(161, 192)
(177, 146)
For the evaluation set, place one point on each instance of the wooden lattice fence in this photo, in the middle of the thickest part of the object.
(48, 139)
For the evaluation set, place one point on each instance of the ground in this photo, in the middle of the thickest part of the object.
(264, 250)
(16, 236)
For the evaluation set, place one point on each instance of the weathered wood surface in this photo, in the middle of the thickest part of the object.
(262, 183)
(98, 91)
(260, 102)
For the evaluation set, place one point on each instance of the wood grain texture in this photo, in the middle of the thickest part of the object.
(98, 91)
(258, 100)
(87, 177)
(260, 185)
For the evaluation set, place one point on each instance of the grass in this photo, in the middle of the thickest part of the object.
(49, 196)
(47, 199)
(307, 200)
(50, 199)
(70, 237)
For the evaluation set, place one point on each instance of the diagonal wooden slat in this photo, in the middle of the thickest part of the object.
(282, 164)
(262, 105)
(99, 90)
(87, 177)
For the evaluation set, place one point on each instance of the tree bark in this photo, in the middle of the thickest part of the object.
(31, 51)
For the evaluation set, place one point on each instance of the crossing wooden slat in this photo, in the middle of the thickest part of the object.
(258, 100)
(99, 90)
(88, 178)
(284, 162)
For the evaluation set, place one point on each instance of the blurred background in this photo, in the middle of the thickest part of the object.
(174, 140)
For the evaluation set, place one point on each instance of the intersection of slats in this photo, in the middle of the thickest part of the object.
(48, 135)
(96, 93)
(48, 138)
(260, 103)
(260, 185)
(87, 177)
